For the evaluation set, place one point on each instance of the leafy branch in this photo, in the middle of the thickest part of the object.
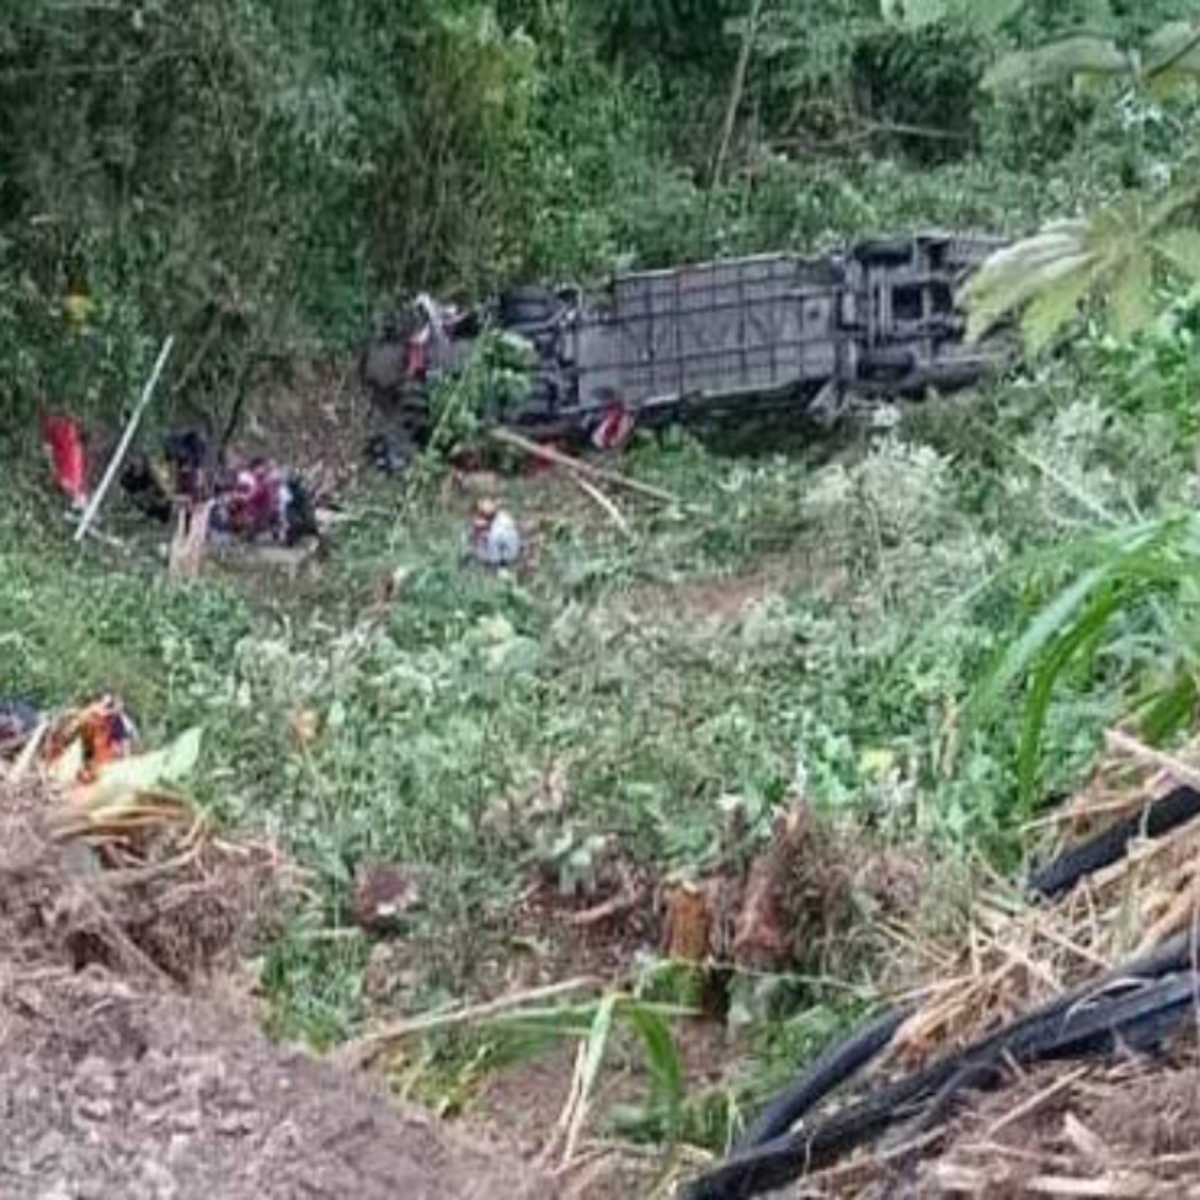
(1118, 253)
(1168, 60)
(495, 379)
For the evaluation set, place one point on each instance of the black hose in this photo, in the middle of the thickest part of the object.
(972, 1076)
(1141, 1020)
(1147, 1017)
(1176, 808)
(1173, 955)
(833, 1067)
(1075, 1023)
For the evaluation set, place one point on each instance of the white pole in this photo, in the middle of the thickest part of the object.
(122, 449)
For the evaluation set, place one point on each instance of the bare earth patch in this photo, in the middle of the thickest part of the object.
(714, 603)
(116, 1082)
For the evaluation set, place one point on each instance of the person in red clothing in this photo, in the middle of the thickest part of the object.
(68, 457)
(262, 500)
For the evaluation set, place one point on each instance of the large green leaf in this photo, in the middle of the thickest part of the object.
(1172, 58)
(1131, 570)
(1059, 257)
(1049, 625)
(981, 14)
(595, 1048)
(1059, 62)
(1050, 312)
(1132, 299)
(1170, 708)
(1181, 249)
(1113, 253)
(1086, 627)
(144, 772)
(662, 1058)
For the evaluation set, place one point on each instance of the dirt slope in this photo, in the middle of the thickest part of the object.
(108, 1092)
(114, 1082)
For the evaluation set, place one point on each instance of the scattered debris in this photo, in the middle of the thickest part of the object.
(83, 742)
(616, 427)
(383, 894)
(798, 892)
(624, 901)
(792, 906)
(1097, 965)
(604, 503)
(599, 475)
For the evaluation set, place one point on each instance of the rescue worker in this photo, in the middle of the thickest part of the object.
(495, 540)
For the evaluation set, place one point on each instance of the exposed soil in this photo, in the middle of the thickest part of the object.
(114, 1091)
(116, 1082)
(527, 1101)
(309, 415)
(712, 604)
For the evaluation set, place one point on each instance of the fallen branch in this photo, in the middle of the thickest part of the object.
(1116, 1187)
(870, 1165)
(629, 897)
(437, 1022)
(506, 437)
(1120, 742)
(618, 905)
(951, 1179)
(1037, 1102)
(562, 1128)
(603, 502)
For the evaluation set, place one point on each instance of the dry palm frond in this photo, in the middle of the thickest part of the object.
(1022, 953)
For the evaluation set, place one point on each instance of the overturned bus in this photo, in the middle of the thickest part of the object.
(734, 338)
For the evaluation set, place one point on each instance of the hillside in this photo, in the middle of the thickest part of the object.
(766, 725)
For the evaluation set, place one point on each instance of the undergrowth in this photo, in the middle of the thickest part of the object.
(798, 627)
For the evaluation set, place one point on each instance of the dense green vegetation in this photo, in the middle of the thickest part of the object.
(264, 177)
(260, 176)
